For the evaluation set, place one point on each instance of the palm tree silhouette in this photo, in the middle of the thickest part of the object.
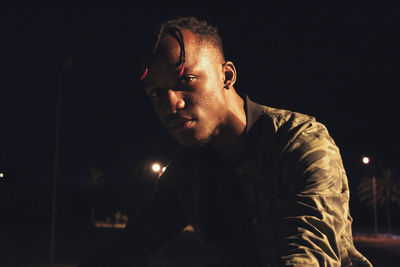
(387, 192)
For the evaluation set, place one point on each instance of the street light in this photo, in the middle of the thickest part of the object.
(156, 167)
(1, 175)
(366, 161)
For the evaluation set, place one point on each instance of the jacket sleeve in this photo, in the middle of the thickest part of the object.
(147, 232)
(315, 210)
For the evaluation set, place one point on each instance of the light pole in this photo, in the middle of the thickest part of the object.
(366, 161)
(67, 63)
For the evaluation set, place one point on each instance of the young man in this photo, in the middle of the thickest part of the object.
(261, 186)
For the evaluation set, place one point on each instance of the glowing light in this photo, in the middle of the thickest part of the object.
(156, 167)
(1, 175)
(366, 160)
(163, 169)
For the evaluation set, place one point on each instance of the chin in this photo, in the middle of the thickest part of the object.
(192, 141)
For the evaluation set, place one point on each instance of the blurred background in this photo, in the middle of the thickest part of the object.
(75, 121)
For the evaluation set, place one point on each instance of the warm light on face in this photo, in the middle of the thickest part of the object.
(365, 160)
(156, 167)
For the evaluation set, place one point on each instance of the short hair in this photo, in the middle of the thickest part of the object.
(174, 27)
(201, 28)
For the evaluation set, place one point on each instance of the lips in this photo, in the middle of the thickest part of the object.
(179, 123)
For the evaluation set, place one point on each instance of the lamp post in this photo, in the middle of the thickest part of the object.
(66, 64)
(366, 161)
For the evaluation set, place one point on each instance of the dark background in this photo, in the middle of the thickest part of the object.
(337, 62)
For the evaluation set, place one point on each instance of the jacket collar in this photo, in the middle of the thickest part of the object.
(253, 112)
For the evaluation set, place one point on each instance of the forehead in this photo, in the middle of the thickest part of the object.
(169, 50)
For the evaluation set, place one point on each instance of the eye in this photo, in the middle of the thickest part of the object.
(186, 79)
(154, 93)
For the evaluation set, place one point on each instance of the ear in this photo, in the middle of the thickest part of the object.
(229, 74)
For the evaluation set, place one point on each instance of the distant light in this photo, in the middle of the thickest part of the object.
(1, 175)
(366, 160)
(156, 167)
(163, 169)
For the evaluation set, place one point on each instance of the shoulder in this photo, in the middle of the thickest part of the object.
(286, 120)
(295, 131)
(275, 121)
(280, 129)
(286, 126)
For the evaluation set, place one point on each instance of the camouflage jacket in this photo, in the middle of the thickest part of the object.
(295, 187)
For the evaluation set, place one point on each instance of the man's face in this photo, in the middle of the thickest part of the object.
(193, 106)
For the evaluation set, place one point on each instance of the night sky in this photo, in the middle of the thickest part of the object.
(338, 63)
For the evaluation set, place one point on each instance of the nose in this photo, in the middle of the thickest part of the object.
(175, 101)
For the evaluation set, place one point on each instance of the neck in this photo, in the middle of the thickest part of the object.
(229, 140)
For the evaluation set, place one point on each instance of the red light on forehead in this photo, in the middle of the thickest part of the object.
(181, 70)
(144, 74)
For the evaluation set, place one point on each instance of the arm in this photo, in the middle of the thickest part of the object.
(146, 232)
(316, 218)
